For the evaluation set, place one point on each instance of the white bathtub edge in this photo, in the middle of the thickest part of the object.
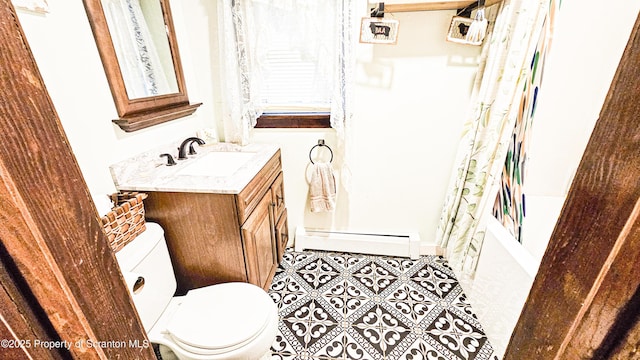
(514, 248)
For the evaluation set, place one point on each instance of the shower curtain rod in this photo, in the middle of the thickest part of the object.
(434, 5)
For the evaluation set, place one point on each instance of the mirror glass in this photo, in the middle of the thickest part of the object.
(139, 51)
(142, 47)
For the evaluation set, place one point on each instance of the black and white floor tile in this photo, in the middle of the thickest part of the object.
(352, 306)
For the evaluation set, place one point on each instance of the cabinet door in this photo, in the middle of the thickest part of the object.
(277, 195)
(202, 235)
(282, 235)
(259, 244)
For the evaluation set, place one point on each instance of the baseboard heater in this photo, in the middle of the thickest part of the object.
(402, 245)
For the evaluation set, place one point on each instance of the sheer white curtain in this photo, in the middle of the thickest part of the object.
(322, 32)
(240, 108)
(342, 98)
(137, 55)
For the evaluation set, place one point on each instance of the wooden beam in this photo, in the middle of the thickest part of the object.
(610, 309)
(585, 298)
(50, 234)
(433, 5)
(19, 323)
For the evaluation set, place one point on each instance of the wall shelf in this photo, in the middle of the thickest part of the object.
(432, 5)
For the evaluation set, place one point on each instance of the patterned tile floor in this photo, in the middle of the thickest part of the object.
(352, 306)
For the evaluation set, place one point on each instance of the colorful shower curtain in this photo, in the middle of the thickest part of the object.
(510, 204)
(491, 120)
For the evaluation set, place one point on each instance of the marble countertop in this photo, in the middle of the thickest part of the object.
(149, 172)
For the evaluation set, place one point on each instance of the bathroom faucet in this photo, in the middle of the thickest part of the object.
(182, 150)
(170, 161)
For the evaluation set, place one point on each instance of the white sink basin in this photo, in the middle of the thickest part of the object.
(217, 163)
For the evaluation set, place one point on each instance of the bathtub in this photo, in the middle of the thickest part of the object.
(506, 269)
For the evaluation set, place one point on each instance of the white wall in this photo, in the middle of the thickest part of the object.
(67, 56)
(411, 99)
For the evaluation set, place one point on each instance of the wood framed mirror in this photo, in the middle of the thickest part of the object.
(139, 52)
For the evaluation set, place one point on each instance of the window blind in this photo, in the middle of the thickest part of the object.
(296, 78)
(293, 82)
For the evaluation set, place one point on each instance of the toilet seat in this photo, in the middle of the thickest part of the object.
(221, 318)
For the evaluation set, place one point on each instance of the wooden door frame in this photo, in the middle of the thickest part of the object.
(61, 282)
(585, 300)
(59, 277)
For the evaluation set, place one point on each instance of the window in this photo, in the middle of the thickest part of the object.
(296, 48)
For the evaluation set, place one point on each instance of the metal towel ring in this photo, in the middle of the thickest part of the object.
(320, 143)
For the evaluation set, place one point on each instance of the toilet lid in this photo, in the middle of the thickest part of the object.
(221, 316)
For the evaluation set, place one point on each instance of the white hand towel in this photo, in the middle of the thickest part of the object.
(322, 189)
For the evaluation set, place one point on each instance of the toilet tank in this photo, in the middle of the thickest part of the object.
(147, 269)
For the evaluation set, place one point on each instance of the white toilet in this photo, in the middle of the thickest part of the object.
(225, 321)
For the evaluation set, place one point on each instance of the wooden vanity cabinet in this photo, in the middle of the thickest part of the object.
(258, 240)
(280, 217)
(218, 238)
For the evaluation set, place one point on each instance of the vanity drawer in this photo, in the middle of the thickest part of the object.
(277, 196)
(250, 196)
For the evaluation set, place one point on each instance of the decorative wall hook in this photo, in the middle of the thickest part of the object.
(378, 11)
(466, 11)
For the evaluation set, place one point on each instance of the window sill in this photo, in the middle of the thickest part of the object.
(293, 120)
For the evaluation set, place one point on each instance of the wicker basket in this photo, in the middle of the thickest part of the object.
(126, 220)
